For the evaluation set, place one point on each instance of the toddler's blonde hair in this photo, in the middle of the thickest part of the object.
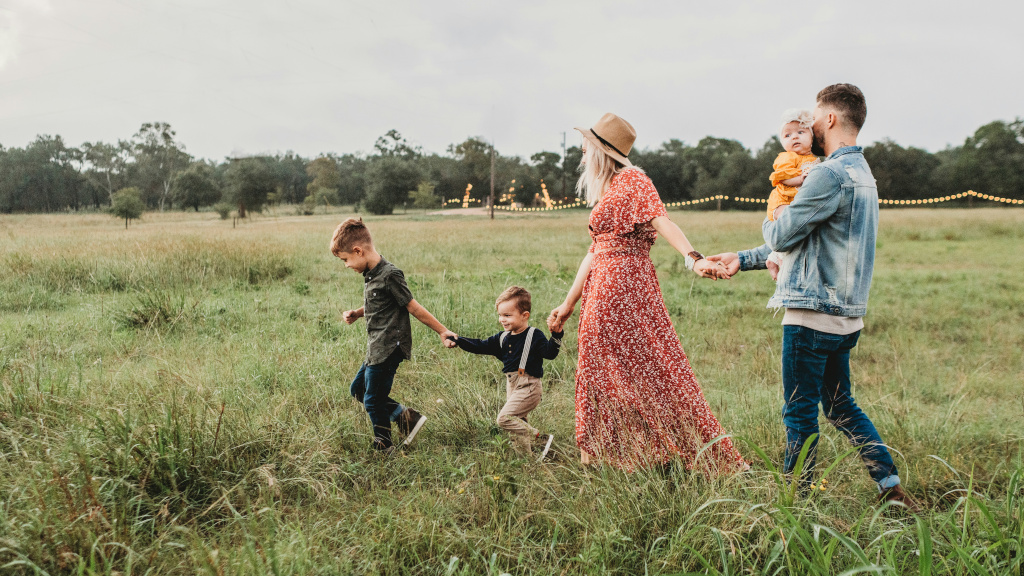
(801, 116)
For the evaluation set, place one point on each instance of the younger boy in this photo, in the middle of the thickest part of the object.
(387, 304)
(522, 349)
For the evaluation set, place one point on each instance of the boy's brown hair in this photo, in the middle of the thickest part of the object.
(351, 232)
(848, 100)
(520, 295)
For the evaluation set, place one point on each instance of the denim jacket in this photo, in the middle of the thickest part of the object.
(829, 233)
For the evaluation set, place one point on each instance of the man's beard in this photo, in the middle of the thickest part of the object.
(817, 143)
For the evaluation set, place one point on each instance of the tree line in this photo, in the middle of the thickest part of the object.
(152, 170)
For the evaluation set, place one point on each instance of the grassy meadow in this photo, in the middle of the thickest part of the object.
(174, 400)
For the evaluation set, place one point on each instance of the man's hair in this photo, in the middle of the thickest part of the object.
(848, 101)
(520, 295)
(351, 232)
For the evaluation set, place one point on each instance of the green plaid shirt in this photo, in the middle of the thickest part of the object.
(385, 297)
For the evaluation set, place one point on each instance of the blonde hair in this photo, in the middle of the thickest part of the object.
(519, 294)
(350, 233)
(801, 116)
(596, 172)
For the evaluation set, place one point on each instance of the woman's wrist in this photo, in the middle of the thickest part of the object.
(692, 258)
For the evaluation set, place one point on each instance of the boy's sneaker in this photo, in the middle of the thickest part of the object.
(409, 423)
(897, 495)
(546, 439)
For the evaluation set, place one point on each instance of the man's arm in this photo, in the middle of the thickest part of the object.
(817, 201)
(755, 258)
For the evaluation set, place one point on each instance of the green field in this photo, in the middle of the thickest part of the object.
(174, 400)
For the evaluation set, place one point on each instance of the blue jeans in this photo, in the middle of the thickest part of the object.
(816, 369)
(372, 387)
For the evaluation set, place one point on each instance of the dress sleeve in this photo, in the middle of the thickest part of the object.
(786, 166)
(640, 202)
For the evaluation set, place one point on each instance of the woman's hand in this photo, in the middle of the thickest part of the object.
(559, 316)
(709, 269)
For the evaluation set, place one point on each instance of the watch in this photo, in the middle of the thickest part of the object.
(696, 256)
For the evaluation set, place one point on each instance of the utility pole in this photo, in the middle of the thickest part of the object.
(564, 194)
(492, 180)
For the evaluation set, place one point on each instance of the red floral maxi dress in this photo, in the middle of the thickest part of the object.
(637, 401)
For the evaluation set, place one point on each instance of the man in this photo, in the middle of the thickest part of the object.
(829, 231)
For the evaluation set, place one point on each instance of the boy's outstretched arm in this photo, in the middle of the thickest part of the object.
(350, 316)
(428, 319)
(490, 347)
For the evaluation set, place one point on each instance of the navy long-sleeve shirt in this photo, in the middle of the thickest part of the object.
(512, 352)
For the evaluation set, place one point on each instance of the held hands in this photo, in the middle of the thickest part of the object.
(350, 316)
(707, 268)
(558, 316)
(448, 338)
(730, 261)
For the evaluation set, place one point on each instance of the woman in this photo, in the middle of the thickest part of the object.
(637, 402)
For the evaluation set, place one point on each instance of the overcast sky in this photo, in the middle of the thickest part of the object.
(253, 76)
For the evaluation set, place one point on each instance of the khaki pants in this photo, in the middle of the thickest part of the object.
(522, 395)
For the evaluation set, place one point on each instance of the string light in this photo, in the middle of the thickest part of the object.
(949, 198)
(882, 201)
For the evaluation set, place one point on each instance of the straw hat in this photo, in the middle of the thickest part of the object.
(613, 135)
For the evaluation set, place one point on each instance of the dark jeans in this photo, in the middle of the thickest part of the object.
(816, 369)
(372, 387)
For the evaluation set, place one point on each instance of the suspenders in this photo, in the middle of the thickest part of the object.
(526, 346)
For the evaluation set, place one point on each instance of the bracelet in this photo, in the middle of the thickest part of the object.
(692, 258)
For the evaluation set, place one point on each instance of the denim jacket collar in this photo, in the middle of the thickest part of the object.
(845, 150)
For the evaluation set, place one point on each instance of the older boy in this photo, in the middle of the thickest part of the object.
(522, 350)
(387, 303)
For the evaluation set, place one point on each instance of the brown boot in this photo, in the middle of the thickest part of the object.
(896, 494)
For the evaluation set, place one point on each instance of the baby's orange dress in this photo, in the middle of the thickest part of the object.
(787, 165)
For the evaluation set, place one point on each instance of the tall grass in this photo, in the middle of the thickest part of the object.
(174, 400)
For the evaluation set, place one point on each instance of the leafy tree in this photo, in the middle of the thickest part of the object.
(993, 159)
(291, 176)
(351, 179)
(389, 180)
(571, 165)
(157, 157)
(127, 203)
(474, 166)
(250, 181)
(196, 186)
(901, 173)
(42, 177)
(326, 179)
(393, 144)
(672, 168)
(711, 155)
(445, 174)
(107, 165)
(423, 196)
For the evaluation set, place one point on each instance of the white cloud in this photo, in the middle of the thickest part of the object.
(12, 23)
(317, 76)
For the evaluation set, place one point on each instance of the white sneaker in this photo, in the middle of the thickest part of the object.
(416, 428)
(547, 448)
